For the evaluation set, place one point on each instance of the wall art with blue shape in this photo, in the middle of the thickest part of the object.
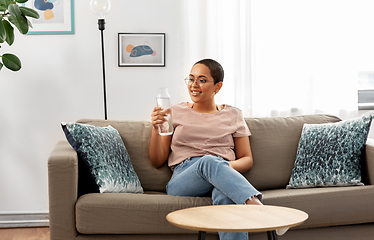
(141, 49)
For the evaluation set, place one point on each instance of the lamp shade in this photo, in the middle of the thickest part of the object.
(100, 7)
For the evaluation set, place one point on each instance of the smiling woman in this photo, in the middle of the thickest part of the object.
(209, 147)
(202, 87)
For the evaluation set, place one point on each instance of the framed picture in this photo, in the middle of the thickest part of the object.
(56, 16)
(141, 49)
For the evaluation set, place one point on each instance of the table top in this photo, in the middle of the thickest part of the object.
(237, 218)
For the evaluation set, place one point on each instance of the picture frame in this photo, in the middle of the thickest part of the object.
(56, 17)
(141, 49)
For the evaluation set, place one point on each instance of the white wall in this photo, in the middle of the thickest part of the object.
(61, 80)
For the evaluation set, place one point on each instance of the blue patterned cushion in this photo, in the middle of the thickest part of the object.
(103, 152)
(330, 154)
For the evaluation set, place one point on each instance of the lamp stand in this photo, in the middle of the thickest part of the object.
(101, 24)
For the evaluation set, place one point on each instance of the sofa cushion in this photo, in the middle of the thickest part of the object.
(330, 206)
(126, 213)
(271, 169)
(330, 154)
(274, 143)
(136, 136)
(105, 155)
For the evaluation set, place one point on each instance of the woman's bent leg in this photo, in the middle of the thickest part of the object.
(197, 177)
(230, 182)
(221, 199)
(186, 182)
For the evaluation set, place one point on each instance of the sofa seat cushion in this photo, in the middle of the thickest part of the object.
(330, 206)
(130, 213)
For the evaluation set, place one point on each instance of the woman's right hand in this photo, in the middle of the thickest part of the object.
(159, 147)
(158, 116)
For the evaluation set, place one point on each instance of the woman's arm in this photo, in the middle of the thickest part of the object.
(159, 147)
(244, 160)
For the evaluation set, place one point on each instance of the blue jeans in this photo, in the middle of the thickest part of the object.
(202, 176)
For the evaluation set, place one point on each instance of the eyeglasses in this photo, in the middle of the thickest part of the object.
(200, 81)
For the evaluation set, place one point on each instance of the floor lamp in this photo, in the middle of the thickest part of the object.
(100, 8)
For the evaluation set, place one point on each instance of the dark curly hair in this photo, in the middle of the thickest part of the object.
(215, 68)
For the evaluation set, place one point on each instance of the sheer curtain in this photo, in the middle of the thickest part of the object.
(220, 29)
(280, 58)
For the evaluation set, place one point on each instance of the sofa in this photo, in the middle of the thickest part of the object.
(344, 212)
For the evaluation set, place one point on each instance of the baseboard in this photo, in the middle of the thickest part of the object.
(18, 219)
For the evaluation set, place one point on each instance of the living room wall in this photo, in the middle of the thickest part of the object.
(61, 81)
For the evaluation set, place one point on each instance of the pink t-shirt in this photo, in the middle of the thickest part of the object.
(198, 134)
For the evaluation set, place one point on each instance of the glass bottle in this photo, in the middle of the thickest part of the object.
(163, 100)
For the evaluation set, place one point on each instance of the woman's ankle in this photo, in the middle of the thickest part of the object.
(253, 201)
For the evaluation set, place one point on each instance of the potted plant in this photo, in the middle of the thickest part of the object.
(13, 14)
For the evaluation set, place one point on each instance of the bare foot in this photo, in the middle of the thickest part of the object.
(281, 231)
(253, 201)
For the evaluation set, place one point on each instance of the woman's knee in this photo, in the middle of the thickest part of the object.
(212, 161)
(211, 168)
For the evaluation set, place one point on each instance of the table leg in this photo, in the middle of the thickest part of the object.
(272, 235)
(202, 235)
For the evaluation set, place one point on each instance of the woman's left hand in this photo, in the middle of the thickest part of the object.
(244, 160)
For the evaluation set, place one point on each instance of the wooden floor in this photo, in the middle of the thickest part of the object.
(40, 233)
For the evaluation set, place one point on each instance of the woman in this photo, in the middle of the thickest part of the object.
(209, 147)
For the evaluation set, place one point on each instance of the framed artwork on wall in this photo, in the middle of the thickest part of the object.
(56, 16)
(141, 49)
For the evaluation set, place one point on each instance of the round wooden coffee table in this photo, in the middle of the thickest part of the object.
(237, 218)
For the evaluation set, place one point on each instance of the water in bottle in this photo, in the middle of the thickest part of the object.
(163, 100)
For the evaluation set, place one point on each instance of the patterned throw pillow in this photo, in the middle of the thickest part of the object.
(330, 154)
(102, 150)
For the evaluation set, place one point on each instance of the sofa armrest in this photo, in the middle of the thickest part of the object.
(368, 164)
(63, 186)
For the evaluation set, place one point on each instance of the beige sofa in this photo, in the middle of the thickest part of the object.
(334, 212)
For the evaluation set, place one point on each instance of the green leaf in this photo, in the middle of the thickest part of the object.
(28, 12)
(9, 32)
(2, 32)
(1, 66)
(11, 61)
(29, 23)
(14, 10)
(21, 1)
(20, 22)
(4, 4)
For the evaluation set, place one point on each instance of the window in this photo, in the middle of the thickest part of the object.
(366, 91)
